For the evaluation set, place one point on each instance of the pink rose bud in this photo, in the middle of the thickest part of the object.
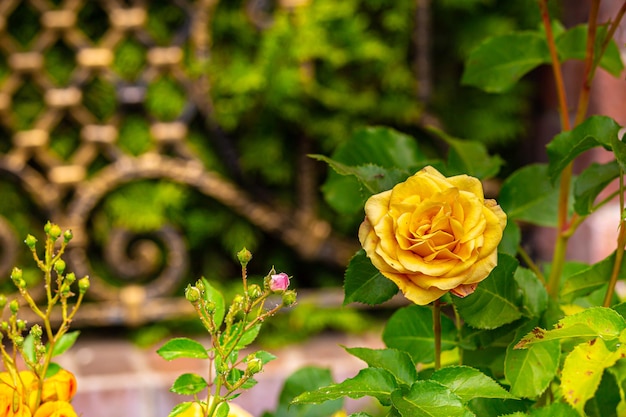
(279, 282)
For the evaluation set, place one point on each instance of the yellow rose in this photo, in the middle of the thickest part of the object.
(432, 234)
(55, 409)
(60, 386)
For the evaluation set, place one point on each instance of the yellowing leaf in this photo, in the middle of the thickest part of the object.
(582, 371)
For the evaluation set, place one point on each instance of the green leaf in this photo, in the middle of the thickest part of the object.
(65, 342)
(223, 410)
(188, 384)
(529, 195)
(398, 363)
(265, 357)
(534, 294)
(239, 338)
(306, 379)
(583, 369)
(468, 157)
(472, 338)
(369, 382)
(500, 61)
(590, 184)
(530, 371)
(374, 178)
(429, 399)
(211, 294)
(572, 44)
(248, 336)
(365, 284)
(53, 368)
(607, 398)
(591, 278)
(558, 409)
(494, 303)
(495, 407)
(590, 323)
(384, 147)
(182, 347)
(344, 194)
(593, 132)
(180, 409)
(469, 383)
(410, 329)
(511, 239)
(28, 348)
(619, 149)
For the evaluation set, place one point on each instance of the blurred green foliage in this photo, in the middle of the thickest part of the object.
(281, 81)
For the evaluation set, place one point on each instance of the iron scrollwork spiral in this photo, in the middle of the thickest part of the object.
(152, 262)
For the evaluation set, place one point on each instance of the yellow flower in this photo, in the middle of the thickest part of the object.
(20, 391)
(432, 234)
(60, 386)
(55, 409)
(196, 409)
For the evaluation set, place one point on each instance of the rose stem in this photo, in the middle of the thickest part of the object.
(437, 332)
(619, 251)
(561, 242)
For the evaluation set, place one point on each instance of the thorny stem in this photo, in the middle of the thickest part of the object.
(556, 65)
(437, 332)
(566, 176)
(590, 61)
(563, 234)
(613, 27)
(619, 251)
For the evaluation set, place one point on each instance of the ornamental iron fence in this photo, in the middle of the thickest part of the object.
(94, 102)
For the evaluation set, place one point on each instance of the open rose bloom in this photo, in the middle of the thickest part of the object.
(432, 234)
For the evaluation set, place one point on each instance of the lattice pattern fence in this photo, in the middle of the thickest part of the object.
(93, 101)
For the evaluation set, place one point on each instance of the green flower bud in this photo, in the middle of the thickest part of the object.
(59, 266)
(30, 241)
(254, 366)
(83, 284)
(289, 298)
(200, 285)
(21, 325)
(67, 235)
(70, 278)
(238, 301)
(47, 227)
(210, 307)
(268, 280)
(4, 326)
(236, 306)
(36, 332)
(192, 294)
(65, 291)
(19, 341)
(14, 306)
(3, 301)
(16, 275)
(254, 291)
(244, 256)
(54, 232)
